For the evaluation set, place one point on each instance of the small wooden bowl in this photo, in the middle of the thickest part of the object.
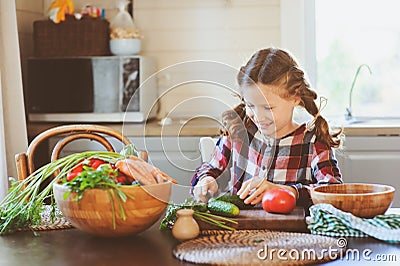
(93, 213)
(362, 200)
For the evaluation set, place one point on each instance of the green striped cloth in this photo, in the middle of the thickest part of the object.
(327, 220)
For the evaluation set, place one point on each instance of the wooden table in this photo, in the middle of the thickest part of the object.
(152, 247)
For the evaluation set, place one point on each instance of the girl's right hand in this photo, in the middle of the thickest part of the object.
(205, 185)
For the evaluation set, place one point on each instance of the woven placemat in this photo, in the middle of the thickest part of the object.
(255, 247)
(59, 222)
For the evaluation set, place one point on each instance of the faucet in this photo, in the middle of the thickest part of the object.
(349, 114)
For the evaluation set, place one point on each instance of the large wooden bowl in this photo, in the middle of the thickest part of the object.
(93, 213)
(362, 200)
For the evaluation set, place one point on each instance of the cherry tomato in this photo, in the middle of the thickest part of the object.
(120, 179)
(278, 200)
(72, 175)
(124, 179)
(77, 169)
(95, 163)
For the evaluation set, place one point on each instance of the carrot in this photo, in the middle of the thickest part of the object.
(157, 173)
(150, 173)
(130, 170)
(164, 176)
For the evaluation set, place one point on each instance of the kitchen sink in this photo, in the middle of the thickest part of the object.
(372, 121)
(365, 121)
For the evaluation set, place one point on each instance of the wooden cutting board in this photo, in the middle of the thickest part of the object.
(259, 219)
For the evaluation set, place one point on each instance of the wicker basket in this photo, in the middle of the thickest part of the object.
(258, 247)
(85, 37)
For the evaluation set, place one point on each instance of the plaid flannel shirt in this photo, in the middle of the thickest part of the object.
(297, 159)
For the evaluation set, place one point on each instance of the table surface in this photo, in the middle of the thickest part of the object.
(152, 247)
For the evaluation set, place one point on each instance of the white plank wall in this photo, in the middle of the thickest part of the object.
(27, 12)
(176, 31)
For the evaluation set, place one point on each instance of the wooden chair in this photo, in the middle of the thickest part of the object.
(25, 161)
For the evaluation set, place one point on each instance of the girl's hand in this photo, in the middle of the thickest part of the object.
(205, 185)
(255, 187)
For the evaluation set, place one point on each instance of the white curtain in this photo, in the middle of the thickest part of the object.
(13, 135)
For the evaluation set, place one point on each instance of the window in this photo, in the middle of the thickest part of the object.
(338, 36)
(351, 33)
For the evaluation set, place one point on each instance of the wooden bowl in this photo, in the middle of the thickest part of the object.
(362, 200)
(93, 213)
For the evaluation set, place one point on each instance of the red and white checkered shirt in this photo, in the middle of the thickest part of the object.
(297, 159)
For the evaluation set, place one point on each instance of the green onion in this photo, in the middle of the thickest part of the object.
(206, 217)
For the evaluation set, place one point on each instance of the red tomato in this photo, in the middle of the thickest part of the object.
(95, 163)
(279, 200)
(71, 176)
(120, 179)
(77, 169)
(124, 179)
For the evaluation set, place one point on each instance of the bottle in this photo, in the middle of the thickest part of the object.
(185, 227)
(124, 35)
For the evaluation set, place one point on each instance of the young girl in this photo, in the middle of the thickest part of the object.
(262, 147)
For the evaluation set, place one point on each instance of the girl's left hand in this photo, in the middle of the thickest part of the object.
(255, 187)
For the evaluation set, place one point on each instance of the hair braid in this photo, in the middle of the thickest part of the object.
(297, 86)
(321, 126)
(236, 122)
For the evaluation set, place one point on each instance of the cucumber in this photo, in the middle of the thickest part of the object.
(234, 199)
(222, 208)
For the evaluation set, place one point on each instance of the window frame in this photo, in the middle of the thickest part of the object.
(298, 34)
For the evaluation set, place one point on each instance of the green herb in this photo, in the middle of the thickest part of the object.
(200, 212)
(25, 201)
(103, 177)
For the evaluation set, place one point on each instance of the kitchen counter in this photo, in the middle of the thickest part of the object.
(369, 126)
(193, 127)
(210, 127)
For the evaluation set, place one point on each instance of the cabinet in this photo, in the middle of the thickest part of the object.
(372, 159)
(176, 156)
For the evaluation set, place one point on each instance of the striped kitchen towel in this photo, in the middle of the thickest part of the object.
(327, 220)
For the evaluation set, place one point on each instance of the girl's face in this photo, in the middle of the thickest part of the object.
(272, 114)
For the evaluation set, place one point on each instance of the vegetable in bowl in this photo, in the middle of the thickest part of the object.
(22, 206)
